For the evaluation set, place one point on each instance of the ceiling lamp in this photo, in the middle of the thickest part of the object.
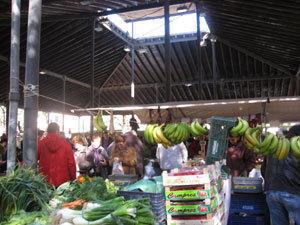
(142, 50)
(182, 9)
(98, 28)
(127, 48)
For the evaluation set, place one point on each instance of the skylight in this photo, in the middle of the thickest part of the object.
(149, 28)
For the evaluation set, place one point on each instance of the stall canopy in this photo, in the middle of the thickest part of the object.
(257, 55)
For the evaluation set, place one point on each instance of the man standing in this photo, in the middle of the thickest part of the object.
(283, 187)
(56, 159)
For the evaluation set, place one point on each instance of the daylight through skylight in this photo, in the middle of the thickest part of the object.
(179, 24)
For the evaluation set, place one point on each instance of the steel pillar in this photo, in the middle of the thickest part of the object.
(92, 75)
(14, 84)
(31, 89)
(167, 51)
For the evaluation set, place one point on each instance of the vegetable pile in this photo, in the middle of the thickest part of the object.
(23, 190)
(112, 212)
(84, 189)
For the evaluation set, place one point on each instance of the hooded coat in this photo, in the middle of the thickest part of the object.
(56, 160)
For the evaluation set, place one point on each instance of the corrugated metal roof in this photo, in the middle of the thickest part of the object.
(257, 50)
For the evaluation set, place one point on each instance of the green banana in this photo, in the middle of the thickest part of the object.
(273, 145)
(279, 148)
(201, 130)
(249, 138)
(295, 146)
(247, 144)
(255, 135)
(244, 127)
(234, 132)
(193, 130)
(285, 149)
(264, 146)
(148, 134)
(156, 136)
(162, 138)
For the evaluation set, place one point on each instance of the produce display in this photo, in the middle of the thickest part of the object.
(23, 190)
(99, 123)
(173, 133)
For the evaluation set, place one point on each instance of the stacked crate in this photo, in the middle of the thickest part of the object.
(194, 197)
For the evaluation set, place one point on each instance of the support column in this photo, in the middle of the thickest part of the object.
(215, 79)
(167, 51)
(31, 88)
(132, 75)
(14, 84)
(92, 75)
(64, 103)
(198, 47)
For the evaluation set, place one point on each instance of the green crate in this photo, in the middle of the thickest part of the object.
(218, 138)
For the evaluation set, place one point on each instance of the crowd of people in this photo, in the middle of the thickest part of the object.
(61, 160)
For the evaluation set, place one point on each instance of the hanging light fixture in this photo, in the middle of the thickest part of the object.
(132, 90)
(127, 48)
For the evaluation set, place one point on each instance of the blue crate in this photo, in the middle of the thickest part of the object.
(247, 185)
(157, 202)
(248, 204)
(235, 219)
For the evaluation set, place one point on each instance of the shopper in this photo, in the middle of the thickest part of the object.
(56, 159)
(97, 155)
(125, 154)
(283, 187)
(238, 159)
(172, 157)
(3, 153)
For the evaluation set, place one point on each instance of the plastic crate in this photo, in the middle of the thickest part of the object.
(218, 138)
(247, 185)
(235, 219)
(248, 204)
(157, 202)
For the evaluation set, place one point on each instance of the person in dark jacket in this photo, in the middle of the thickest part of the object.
(239, 160)
(56, 159)
(283, 187)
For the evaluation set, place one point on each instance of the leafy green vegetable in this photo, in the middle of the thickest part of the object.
(94, 189)
(23, 190)
(26, 218)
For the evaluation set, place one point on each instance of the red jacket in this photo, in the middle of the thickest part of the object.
(56, 160)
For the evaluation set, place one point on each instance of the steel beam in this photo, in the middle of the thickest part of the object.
(14, 84)
(183, 83)
(31, 84)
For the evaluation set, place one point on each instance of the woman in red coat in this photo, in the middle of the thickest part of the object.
(56, 158)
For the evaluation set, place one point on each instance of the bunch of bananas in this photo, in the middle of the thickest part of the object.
(270, 144)
(148, 134)
(283, 149)
(240, 128)
(295, 147)
(99, 123)
(167, 135)
(177, 133)
(251, 139)
(197, 130)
